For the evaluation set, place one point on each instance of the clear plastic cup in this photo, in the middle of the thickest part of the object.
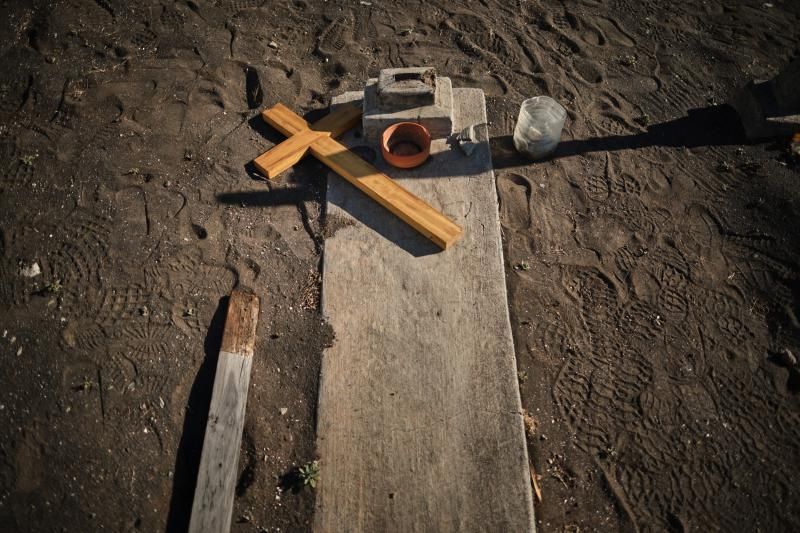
(539, 125)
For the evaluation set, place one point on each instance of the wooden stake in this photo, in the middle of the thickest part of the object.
(212, 508)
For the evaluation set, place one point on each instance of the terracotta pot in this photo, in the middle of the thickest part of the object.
(406, 144)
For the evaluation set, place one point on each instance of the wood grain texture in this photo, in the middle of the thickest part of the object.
(419, 420)
(286, 154)
(212, 507)
(381, 188)
(408, 207)
(293, 149)
(240, 323)
(339, 121)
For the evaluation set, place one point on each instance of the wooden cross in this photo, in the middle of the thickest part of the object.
(319, 140)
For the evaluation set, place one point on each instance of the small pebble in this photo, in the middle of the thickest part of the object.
(31, 271)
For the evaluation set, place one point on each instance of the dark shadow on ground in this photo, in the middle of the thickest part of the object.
(187, 459)
(276, 196)
(356, 204)
(710, 126)
(371, 214)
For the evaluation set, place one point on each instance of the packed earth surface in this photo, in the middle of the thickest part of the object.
(652, 264)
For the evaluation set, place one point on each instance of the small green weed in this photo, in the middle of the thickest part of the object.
(54, 287)
(309, 474)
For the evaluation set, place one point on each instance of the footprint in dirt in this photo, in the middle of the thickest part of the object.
(28, 465)
(172, 18)
(515, 196)
(265, 85)
(235, 6)
(487, 39)
(81, 252)
(612, 116)
(591, 71)
(14, 93)
(334, 37)
(676, 88)
(612, 33)
(131, 212)
(144, 40)
(255, 93)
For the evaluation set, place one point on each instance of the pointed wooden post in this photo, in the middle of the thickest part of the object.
(212, 508)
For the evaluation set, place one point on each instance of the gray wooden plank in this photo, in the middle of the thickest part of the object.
(212, 507)
(419, 420)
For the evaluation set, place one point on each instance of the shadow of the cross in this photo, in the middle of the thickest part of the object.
(348, 199)
(345, 197)
(276, 196)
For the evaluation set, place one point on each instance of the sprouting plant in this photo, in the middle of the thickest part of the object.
(54, 287)
(309, 474)
(27, 160)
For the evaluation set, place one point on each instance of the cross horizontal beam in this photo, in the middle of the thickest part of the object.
(318, 139)
(292, 150)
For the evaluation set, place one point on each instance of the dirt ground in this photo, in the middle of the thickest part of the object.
(652, 264)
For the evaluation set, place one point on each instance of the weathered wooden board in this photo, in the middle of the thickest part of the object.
(419, 420)
(408, 207)
(216, 481)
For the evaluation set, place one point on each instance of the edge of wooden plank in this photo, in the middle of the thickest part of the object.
(239, 335)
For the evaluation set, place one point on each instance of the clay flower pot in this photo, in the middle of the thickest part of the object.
(405, 144)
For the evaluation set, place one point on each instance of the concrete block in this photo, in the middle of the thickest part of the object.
(402, 88)
(408, 95)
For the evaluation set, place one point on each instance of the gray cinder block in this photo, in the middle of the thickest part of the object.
(408, 95)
